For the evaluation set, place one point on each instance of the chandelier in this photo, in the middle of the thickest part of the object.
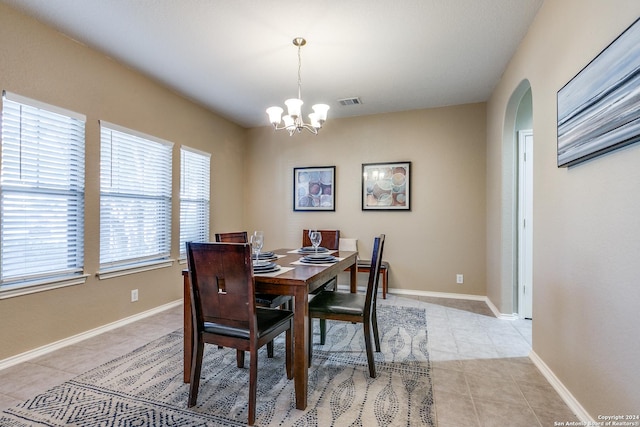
(293, 121)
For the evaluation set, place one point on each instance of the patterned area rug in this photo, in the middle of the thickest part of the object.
(145, 388)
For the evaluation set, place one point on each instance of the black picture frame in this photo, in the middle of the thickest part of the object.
(599, 109)
(314, 188)
(386, 186)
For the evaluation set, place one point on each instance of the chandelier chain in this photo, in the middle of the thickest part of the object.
(299, 72)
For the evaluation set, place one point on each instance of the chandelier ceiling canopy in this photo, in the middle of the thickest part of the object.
(293, 121)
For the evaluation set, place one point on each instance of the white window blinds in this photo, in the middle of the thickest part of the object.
(41, 192)
(135, 197)
(194, 197)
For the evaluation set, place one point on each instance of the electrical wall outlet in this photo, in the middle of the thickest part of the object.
(459, 279)
(134, 295)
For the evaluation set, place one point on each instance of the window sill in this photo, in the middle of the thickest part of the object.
(46, 285)
(134, 268)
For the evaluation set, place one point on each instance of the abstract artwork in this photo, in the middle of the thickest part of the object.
(599, 109)
(385, 186)
(314, 188)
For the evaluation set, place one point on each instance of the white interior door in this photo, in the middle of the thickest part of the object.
(525, 224)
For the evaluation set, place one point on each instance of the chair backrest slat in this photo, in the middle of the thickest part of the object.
(232, 237)
(374, 273)
(222, 282)
(330, 239)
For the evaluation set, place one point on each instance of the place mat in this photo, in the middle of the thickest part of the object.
(273, 273)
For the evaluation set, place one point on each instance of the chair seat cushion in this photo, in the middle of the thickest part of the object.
(268, 320)
(338, 303)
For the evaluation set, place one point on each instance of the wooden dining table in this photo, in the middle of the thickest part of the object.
(299, 283)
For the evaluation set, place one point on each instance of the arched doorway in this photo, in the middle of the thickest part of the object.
(518, 148)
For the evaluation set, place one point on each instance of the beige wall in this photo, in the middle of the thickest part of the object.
(444, 233)
(40, 63)
(586, 230)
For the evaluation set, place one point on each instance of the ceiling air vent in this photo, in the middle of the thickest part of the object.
(350, 101)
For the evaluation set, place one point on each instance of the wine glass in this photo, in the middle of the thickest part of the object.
(257, 241)
(316, 238)
(311, 230)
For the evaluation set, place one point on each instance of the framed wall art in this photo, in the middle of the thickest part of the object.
(314, 188)
(599, 108)
(386, 186)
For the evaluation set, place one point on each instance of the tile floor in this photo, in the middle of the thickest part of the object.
(482, 375)
(481, 371)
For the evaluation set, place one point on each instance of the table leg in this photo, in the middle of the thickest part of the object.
(301, 346)
(354, 277)
(385, 278)
(188, 328)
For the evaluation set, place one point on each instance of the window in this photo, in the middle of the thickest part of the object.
(135, 201)
(194, 197)
(41, 196)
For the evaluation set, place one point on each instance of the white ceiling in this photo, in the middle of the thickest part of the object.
(236, 57)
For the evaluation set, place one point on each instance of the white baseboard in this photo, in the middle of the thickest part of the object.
(438, 294)
(564, 393)
(492, 307)
(498, 314)
(31, 354)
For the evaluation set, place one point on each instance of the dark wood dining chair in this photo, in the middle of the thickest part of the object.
(224, 312)
(352, 307)
(331, 241)
(262, 300)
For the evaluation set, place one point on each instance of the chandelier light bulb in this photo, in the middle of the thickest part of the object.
(313, 118)
(275, 115)
(289, 122)
(294, 107)
(321, 111)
